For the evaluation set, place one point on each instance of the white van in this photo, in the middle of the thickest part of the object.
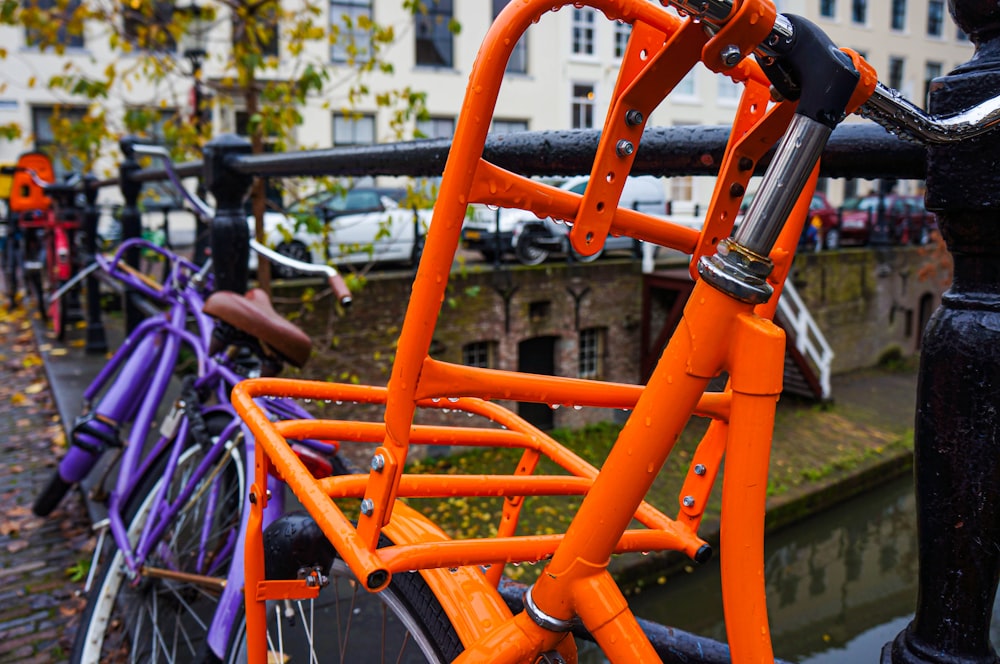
(531, 239)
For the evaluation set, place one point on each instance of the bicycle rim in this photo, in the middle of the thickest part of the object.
(158, 619)
(404, 623)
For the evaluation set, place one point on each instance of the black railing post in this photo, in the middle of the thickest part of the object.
(957, 431)
(230, 236)
(131, 220)
(96, 342)
(12, 248)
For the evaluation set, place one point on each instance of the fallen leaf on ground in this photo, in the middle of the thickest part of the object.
(35, 388)
(19, 545)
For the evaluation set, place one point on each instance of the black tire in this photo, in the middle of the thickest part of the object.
(34, 278)
(832, 239)
(295, 250)
(58, 313)
(117, 611)
(580, 258)
(51, 495)
(418, 250)
(415, 627)
(527, 252)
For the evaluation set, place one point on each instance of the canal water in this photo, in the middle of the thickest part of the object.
(839, 585)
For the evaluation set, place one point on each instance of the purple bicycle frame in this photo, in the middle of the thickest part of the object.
(140, 373)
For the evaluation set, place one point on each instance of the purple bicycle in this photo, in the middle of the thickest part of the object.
(169, 585)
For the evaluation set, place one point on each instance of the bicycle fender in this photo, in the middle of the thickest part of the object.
(474, 606)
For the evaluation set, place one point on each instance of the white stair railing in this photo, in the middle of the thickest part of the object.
(809, 339)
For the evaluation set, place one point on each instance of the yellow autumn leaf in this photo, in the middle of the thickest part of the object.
(18, 399)
(34, 388)
(32, 81)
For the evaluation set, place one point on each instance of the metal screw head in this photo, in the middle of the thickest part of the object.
(736, 189)
(699, 469)
(731, 55)
(633, 118)
(253, 499)
(688, 501)
(367, 507)
(624, 148)
(378, 463)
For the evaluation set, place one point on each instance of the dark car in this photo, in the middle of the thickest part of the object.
(891, 219)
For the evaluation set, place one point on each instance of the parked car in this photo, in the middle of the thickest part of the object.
(905, 220)
(362, 225)
(532, 240)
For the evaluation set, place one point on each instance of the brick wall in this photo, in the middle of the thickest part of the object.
(866, 302)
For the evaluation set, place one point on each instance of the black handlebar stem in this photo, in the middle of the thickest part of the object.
(809, 67)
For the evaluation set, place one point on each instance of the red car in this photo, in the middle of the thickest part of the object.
(904, 220)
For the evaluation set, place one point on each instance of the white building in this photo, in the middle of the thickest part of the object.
(561, 76)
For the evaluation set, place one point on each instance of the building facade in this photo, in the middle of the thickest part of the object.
(560, 76)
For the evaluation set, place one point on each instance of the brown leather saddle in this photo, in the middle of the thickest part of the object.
(253, 313)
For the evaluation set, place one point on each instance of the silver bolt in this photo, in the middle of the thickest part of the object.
(731, 55)
(624, 148)
(378, 463)
(367, 507)
(688, 501)
(699, 469)
(633, 118)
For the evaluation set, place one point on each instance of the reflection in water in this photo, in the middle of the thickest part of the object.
(839, 585)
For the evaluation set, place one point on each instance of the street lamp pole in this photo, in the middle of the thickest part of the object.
(194, 50)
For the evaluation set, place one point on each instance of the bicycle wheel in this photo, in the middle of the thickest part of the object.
(156, 619)
(404, 623)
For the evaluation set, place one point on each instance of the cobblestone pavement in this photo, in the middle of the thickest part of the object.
(42, 561)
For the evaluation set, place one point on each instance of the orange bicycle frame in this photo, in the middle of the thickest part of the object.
(718, 333)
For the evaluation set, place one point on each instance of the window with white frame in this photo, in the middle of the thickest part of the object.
(687, 87)
(623, 31)
(435, 42)
(828, 8)
(931, 71)
(728, 92)
(480, 354)
(436, 128)
(591, 352)
(48, 126)
(935, 18)
(60, 13)
(898, 21)
(859, 12)
(353, 129)
(350, 28)
(518, 63)
(583, 31)
(583, 106)
(501, 126)
(896, 69)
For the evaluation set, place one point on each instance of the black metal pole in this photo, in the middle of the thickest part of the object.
(230, 236)
(12, 247)
(96, 342)
(131, 220)
(957, 432)
(201, 233)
